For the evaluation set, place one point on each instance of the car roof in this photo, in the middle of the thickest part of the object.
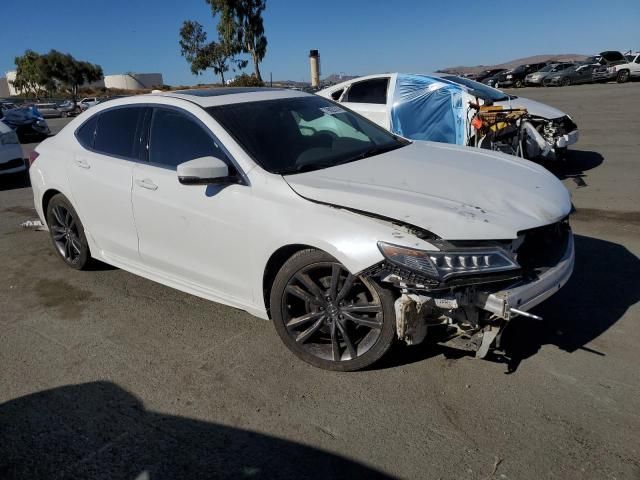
(209, 97)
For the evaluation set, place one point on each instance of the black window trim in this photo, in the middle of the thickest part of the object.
(142, 148)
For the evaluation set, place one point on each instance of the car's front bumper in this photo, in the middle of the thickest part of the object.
(526, 296)
(570, 138)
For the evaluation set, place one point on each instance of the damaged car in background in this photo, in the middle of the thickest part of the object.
(452, 109)
(297, 210)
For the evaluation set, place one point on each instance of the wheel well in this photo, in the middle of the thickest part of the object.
(274, 264)
(46, 198)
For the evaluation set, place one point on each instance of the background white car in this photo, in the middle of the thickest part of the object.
(11, 160)
(288, 206)
(378, 97)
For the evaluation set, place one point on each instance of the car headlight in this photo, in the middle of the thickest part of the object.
(444, 264)
(509, 76)
(9, 138)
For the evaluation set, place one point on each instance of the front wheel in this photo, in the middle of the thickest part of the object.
(67, 233)
(329, 317)
(565, 82)
(623, 76)
(518, 84)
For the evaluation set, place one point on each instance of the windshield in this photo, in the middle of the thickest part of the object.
(300, 134)
(478, 89)
(549, 68)
(630, 58)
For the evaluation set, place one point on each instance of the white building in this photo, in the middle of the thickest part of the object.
(4, 87)
(133, 81)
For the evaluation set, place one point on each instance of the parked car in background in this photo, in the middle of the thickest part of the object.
(27, 122)
(516, 77)
(438, 107)
(538, 77)
(625, 71)
(49, 110)
(297, 210)
(579, 73)
(88, 102)
(604, 61)
(11, 160)
(69, 108)
(479, 77)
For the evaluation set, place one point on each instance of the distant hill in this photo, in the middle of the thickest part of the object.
(565, 57)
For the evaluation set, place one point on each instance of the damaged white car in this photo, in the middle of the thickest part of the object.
(451, 109)
(288, 206)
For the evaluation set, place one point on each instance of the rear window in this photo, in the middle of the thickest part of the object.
(368, 91)
(86, 133)
(116, 132)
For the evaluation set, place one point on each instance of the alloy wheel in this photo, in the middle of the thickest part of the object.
(330, 313)
(66, 237)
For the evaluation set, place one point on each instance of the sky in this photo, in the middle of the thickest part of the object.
(353, 36)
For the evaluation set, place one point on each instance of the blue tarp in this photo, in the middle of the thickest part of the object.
(428, 108)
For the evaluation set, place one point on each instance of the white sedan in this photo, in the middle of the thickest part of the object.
(438, 107)
(294, 209)
(11, 160)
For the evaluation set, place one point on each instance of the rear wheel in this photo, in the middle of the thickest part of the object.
(329, 317)
(67, 233)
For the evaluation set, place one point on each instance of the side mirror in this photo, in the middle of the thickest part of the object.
(204, 171)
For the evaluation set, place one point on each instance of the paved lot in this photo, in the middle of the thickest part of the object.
(106, 375)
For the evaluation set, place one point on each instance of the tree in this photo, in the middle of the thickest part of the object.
(201, 55)
(71, 73)
(37, 73)
(241, 24)
(30, 74)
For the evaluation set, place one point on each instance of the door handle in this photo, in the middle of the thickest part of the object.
(146, 183)
(82, 164)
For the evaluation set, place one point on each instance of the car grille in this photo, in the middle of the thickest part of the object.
(543, 247)
(15, 163)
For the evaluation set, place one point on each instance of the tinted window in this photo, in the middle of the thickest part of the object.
(292, 135)
(116, 134)
(87, 131)
(369, 91)
(336, 95)
(176, 138)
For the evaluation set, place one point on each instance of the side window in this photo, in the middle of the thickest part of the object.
(116, 132)
(86, 133)
(638, 59)
(368, 91)
(176, 138)
(337, 94)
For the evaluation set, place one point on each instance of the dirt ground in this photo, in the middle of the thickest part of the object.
(106, 375)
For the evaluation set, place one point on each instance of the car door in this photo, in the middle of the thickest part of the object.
(369, 99)
(100, 176)
(191, 234)
(584, 74)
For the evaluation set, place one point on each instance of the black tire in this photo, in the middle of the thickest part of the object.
(565, 82)
(623, 76)
(67, 233)
(518, 84)
(64, 115)
(337, 325)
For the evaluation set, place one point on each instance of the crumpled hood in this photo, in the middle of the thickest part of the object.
(534, 108)
(458, 193)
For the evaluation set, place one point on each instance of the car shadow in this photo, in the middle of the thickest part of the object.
(604, 284)
(14, 181)
(574, 166)
(99, 430)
